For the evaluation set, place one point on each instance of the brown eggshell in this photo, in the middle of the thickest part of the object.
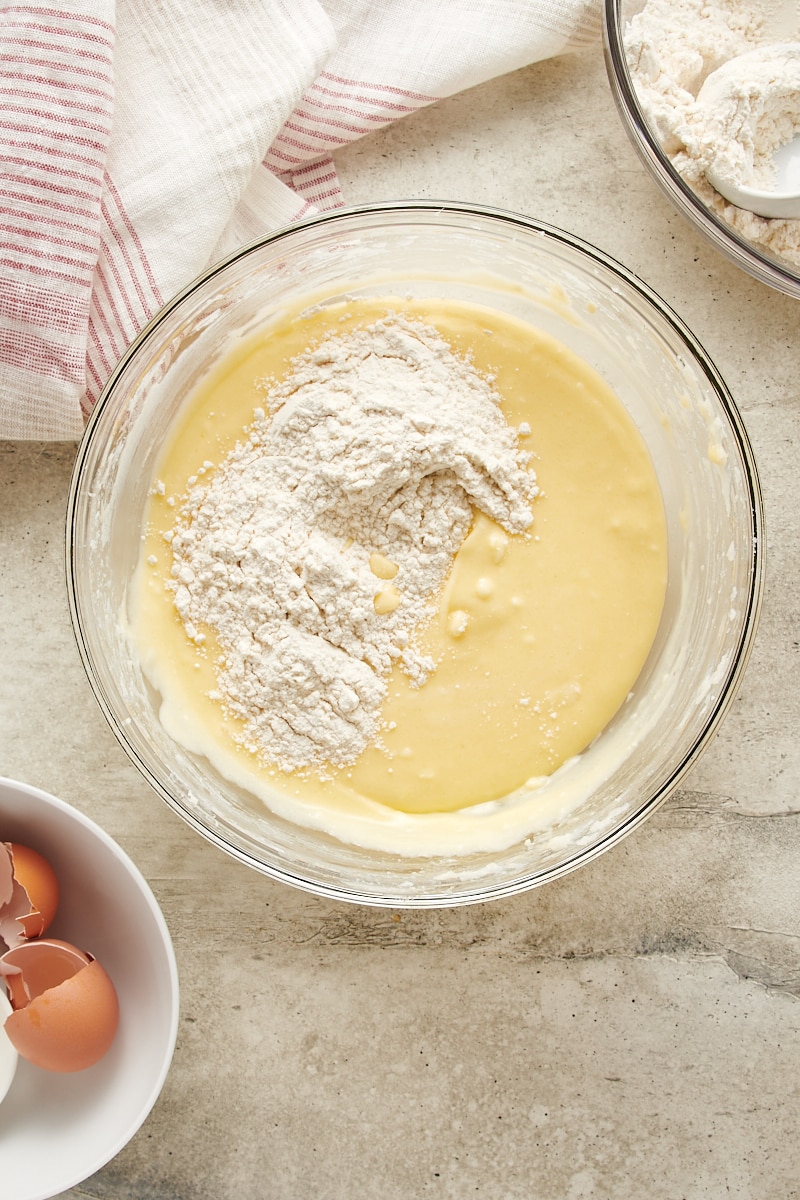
(6, 875)
(34, 873)
(15, 904)
(70, 1026)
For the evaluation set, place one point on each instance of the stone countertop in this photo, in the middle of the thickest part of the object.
(631, 1030)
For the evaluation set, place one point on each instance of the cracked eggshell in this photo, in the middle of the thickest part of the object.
(66, 1010)
(29, 893)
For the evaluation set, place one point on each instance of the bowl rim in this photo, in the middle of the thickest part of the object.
(740, 656)
(727, 241)
(100, 1158)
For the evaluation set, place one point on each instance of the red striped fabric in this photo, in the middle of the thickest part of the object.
(125, 294)
(56, 104)
(317, 183)
(333, 112)
(95, 226)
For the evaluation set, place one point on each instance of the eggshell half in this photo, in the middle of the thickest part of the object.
(29, 893)
(37, 877)
(6, 875)
(67, 1027)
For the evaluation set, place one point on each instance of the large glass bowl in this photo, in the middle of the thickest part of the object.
(775, 271)
(674, 394)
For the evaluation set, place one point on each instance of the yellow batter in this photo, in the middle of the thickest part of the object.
(539, 638)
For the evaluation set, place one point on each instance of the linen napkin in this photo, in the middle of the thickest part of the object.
(142, 140)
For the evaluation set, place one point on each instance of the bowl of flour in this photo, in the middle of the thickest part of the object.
(415, 554)
(712, 91)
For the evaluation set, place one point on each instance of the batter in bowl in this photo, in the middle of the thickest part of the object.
(525, 649)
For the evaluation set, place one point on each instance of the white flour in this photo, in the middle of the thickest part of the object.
(320, 545)
(750, 107)
(672, 46)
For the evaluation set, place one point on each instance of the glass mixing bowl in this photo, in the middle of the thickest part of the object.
(752, 257)
(674, 394)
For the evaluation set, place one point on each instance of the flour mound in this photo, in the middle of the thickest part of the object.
(672, 47)
(318, 548)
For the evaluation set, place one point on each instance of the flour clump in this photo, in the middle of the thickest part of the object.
(318, 548)
(750, 108)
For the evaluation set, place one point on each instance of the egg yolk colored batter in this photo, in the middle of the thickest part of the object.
(539, 638)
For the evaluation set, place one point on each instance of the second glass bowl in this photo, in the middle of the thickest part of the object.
(774, 270)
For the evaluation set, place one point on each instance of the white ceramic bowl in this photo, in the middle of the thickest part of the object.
(57, 1130)
(701, 455)
(752, 257)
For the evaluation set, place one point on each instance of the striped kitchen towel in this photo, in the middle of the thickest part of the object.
(142, 140)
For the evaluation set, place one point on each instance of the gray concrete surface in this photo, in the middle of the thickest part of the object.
(631, 1031)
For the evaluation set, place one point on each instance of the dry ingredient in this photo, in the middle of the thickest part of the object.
(318, 548)
(751, 108)
(672, 47)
